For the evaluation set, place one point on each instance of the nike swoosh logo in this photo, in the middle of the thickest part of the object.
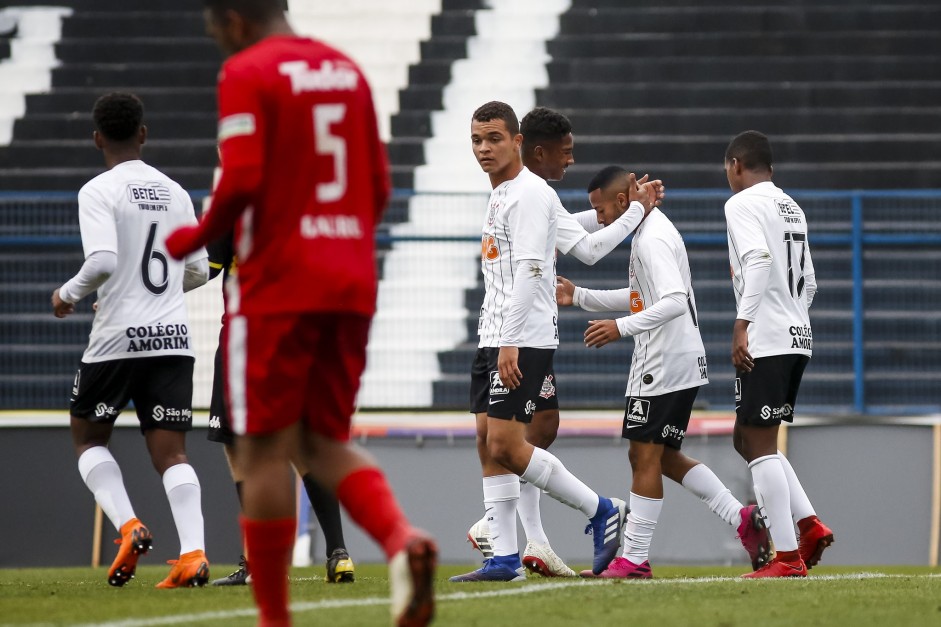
(494, 402)
(633, 426)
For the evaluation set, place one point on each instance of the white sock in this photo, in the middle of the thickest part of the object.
(545, 471)
(102, 475)
(701, 481)
(501, 494)
(800, 504)
(530, 516)
(183, 492)
(638, 531)
(774, 499)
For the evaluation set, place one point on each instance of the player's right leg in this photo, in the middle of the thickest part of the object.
(98, 395)
(645, 506)
(507, 446)
(220, 430)
(762, 406)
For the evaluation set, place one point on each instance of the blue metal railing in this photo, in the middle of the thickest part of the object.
(859, 220)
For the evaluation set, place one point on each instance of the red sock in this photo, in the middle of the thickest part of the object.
(369, 501)
(806, 524)
(270, 544)
(787, 556)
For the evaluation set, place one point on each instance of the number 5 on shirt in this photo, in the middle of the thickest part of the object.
(326, 115)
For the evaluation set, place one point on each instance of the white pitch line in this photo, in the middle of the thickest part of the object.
(309, 606)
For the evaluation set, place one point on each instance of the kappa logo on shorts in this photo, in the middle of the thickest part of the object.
(215, 422)
(738, 390)
(638, 409)
(548, 389)
(77, 382)
(496, 384)
(529, 408)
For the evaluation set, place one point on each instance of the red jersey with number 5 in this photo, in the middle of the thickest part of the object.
(302, 113)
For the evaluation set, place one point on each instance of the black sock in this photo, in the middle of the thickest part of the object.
(327, 510)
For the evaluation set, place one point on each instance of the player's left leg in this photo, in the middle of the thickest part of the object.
(508, 446)
(701, 481)
(538, 557)
(162, 390)
(340, 567)
(339, 343)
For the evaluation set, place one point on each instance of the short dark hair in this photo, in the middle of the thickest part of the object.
(605, 177)
(118, 116)
(752, 149)
(496, 110)
(253, 10)
(543, 124)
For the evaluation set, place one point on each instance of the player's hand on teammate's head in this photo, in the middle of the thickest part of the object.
(60, 308)
(564, 292)
(601, 332)
(649, 193)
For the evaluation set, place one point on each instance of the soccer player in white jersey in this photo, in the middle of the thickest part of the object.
(140, 348)
(518, 336)
(667, 368)
(774, 281)
(547, 150)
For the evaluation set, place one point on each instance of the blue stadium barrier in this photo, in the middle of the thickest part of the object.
(881, 250)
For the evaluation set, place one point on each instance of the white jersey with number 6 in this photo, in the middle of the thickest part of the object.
(130, 210)
(521, 223)
(762, 219)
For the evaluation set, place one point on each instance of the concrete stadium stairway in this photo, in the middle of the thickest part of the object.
(159, 51)
(848, 90)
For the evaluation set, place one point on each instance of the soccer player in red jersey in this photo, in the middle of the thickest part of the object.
(304, 182)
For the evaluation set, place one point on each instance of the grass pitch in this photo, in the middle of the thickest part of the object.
(701, 596)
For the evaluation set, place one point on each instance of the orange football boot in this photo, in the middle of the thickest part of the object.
(192, 569)
(135, 541)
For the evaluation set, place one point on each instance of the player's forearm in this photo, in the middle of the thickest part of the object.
(516, 310)
(237, 189)
(602, 300)
(98, 267)
(756, 273)
(594, 246)
(667, 308)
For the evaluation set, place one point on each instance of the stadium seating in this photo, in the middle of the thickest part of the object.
(847, 91)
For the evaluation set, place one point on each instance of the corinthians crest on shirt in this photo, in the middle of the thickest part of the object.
(548, 388)
(637, 410)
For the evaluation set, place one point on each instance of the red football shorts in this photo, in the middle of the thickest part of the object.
(282, 368)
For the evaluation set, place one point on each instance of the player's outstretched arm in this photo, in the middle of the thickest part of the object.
(564, 292)
(236, 190)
